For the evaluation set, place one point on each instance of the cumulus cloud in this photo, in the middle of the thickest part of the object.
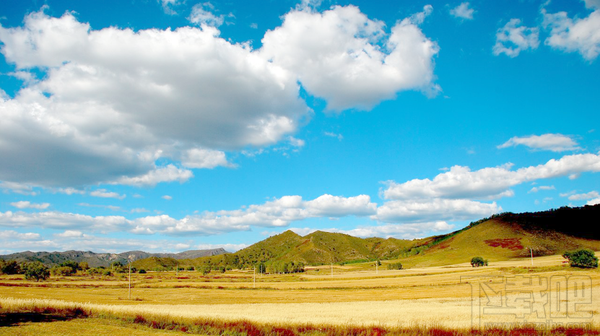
(13, 235)
(202, 15)
(277, 213)
(348, 59)
(29, 205)
(106, 194)
(70, 234)
(551, 142)
(463, 11)
(462, 183)
(114, 101)
(579, 35)
(594, 201)
(167, 197)
(204, 158)
(434, 210)
(17, 188)
(514, 38)
(169, 173)
(581, 197)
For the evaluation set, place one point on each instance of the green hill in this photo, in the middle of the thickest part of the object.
(499, 237)
(509, 235)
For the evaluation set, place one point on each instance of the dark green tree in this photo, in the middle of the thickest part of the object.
(478, 261)
(9, 267)
(36, 271)
(583, 258)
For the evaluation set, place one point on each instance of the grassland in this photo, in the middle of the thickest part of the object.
(356, 297)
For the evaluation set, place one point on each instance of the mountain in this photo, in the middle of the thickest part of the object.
(499, 237)
(510, 235)
(104, 259)
(317, 248)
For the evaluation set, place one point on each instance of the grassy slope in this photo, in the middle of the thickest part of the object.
(506, 237)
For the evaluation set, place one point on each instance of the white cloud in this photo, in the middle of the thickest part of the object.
(70, 191)
(114, 101)
(13, 235)
(167, 197)
(551, 142)
(461, 183)
(107, 194)
(17, 188)
(202, 15)
(168, 5)
(536, 189)
(463, 11)
(594, 201)
(581, 197)
(29, 205)
(579, 35)
(204, 158)
(110, 207)
(334, 135)
(61, 220)
(433, 210)
(169, 173)
(337, 55)
(70, 234)
(514, 38)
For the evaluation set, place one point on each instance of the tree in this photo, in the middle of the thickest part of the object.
(583, 258)
(36, 271)
(478, 261)
(9, 267)
(394, 266)
(84, 265)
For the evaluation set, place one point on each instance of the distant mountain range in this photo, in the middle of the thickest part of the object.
(104, 259)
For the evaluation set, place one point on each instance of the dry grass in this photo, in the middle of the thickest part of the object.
(421, 300)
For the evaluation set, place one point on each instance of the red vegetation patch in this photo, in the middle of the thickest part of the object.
(513, 244)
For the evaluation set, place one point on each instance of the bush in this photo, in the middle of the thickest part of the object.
(9, 267)
(142, 271)
(62, 271)
(478, 261)
(394, 266)
(36, 271)
(583, 258)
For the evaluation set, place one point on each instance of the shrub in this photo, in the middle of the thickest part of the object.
(62, 271)
(142, 271)
(9, 267)
(36, 271)
(394, 266)
(583, 258)
(478, 261)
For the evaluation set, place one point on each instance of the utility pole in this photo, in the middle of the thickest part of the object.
(377, 267)
(531, 250)
(332, 270)
(129, 279)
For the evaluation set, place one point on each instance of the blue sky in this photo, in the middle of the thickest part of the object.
(174, 125)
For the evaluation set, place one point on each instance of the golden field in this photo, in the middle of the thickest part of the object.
(434, 297)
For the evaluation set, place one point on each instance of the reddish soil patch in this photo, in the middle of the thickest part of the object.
(513, 244)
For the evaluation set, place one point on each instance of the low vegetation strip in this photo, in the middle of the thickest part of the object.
(15, 311)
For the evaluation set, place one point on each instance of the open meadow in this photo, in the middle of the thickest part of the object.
(355, 297)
